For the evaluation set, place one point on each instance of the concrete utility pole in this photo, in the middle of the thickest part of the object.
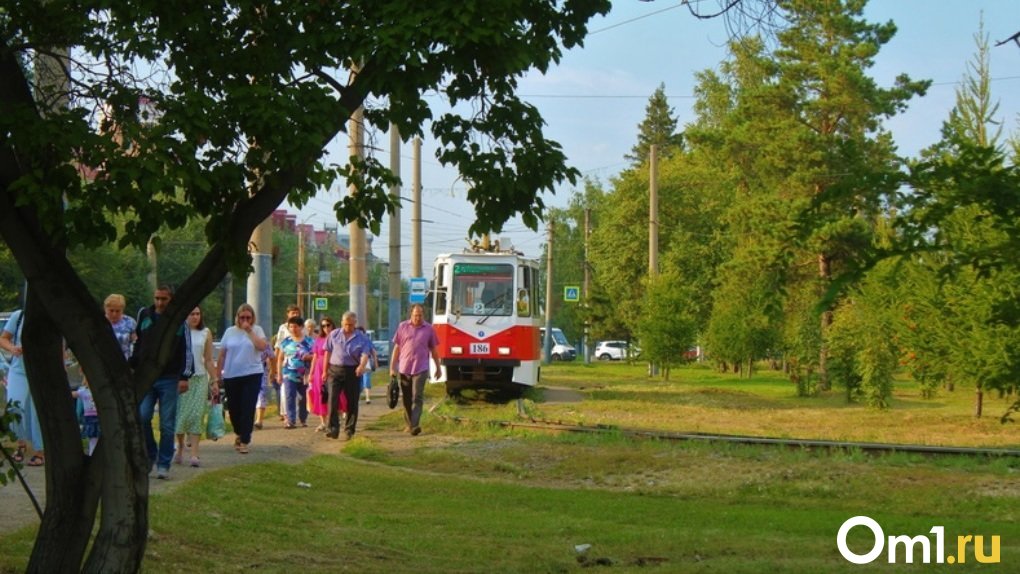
(653, 211)
(416, 209)
(394, 314)
(359, 288)
(260, 281)
(547, 342)
(151, 253)
(300, 267)
(586, 343)
(653, 225)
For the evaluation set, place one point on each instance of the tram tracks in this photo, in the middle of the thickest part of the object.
(876, 448)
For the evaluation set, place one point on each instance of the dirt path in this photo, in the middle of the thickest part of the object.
(272, 443)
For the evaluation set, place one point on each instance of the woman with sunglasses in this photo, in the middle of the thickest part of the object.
(317, 402)
(240, 368)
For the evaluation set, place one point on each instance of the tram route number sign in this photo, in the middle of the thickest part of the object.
(572, 293)
(479, 348)
(419, 288)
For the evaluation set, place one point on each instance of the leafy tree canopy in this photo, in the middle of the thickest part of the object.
(121, 120)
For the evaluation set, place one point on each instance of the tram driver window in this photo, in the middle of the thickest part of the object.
(482, 289)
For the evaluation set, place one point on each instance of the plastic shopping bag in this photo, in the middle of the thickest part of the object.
(216, 427)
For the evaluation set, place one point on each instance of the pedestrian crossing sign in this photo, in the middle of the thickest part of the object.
(571, 293)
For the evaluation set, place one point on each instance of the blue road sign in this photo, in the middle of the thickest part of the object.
(571, 293)
(419, 288)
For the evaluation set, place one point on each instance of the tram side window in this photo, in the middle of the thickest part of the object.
(439, 290)
(524, 292)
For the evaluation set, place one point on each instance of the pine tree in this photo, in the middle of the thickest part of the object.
(658, 127)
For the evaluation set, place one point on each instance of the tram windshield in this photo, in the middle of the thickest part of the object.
(483, 289)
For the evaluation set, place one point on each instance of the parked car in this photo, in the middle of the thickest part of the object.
(615, 351)
(382, 350)
(562, 350)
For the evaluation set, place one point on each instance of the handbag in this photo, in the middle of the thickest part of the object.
(216, 427)
(393, 392)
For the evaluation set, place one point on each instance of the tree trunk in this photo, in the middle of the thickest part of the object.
(979, 401)
(824, 275)
(62, 538)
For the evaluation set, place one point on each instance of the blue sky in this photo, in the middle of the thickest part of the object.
(594, 100)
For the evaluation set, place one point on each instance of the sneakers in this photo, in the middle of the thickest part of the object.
(416, 431)
(195, 462)
(163, 473)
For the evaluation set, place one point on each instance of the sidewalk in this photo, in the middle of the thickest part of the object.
(272, 443)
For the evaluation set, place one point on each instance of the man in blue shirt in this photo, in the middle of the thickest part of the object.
(349, 351)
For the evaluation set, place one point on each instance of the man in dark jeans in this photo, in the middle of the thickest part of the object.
(349, 351)
(413, 344)
(169, 384)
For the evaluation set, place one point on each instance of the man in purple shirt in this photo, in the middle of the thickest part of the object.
(413, 343)
(349, 351)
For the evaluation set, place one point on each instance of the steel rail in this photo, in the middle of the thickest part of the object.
(868, 447)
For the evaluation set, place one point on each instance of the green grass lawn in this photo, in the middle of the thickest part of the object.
(700, 399)
(487, 500)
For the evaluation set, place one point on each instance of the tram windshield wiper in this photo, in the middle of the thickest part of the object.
(491, 302)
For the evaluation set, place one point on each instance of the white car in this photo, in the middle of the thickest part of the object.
(615, 351)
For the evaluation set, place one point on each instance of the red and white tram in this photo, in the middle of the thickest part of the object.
(485, 314)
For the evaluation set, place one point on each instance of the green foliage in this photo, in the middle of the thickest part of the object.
(668, 323)
(861, 341)
(658, 128)
(11, 281)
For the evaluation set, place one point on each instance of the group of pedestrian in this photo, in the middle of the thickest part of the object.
(320, 372)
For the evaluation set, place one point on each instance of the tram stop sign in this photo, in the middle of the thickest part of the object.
(571, 293)
(419, 288)
(321, 304)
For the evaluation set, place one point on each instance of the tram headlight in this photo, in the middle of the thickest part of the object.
(504, 351)
(457, 350)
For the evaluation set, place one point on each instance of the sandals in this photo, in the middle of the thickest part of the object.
(237, 444)
(36, 460)
(19, 454)
(243, 449)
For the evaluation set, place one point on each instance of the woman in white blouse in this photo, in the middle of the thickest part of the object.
(240, 368)
(193, 405)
